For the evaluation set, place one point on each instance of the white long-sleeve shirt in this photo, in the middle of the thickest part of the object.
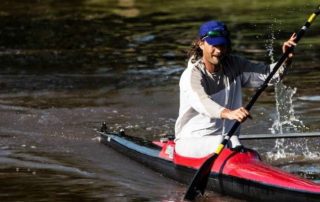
(203, 95)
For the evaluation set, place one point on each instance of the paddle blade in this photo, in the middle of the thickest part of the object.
(200, 180)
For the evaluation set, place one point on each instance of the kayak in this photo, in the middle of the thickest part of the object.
(240, 174)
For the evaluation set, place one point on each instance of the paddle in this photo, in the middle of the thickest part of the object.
(200, 179)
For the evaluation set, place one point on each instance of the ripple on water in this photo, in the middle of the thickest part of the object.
(306, 170)
(21, 161)
(166, 71)
(315, 98)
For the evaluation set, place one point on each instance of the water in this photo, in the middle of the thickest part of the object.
(286, 121)
(68, 66)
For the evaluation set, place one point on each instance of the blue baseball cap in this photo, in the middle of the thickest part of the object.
(214, 33)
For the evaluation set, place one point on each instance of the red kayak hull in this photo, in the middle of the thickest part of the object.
(246, 165)
(238, 174)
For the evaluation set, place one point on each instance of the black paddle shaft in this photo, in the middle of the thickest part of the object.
(200, 179)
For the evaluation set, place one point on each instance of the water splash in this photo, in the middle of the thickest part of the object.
(286, 150)
(269, 44)
(285, 121)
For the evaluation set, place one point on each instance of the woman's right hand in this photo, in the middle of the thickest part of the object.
(240, 114)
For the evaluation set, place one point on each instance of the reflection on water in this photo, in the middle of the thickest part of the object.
(66, 66)
(128, 8)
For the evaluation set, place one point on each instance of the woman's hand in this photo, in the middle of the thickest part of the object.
(240, 114)
(288, 44)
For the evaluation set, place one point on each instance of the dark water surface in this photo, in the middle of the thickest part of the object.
(66, 66)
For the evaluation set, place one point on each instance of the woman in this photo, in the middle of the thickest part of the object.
(210, 91)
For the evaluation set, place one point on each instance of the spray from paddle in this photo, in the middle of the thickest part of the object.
(285, 120)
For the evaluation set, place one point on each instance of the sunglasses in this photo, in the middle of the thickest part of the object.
(216, 33)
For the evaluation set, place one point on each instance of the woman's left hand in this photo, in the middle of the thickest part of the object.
(288, 44)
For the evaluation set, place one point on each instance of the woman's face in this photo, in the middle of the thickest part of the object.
(213, 54)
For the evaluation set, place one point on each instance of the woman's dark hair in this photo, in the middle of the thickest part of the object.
(195, 51)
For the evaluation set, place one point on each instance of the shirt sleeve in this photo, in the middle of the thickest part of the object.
(254, 74)
(194, 86)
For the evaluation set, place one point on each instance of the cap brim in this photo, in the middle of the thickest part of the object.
(217, 41)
